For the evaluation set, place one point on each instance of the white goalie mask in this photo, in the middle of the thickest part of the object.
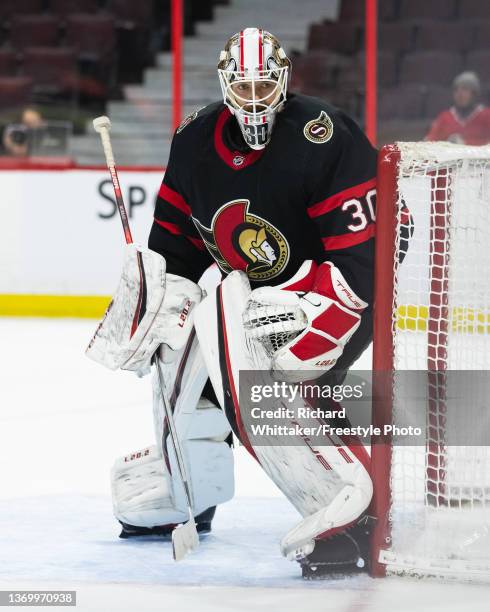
(253, 72)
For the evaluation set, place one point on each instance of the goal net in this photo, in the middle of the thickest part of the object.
(432, 361)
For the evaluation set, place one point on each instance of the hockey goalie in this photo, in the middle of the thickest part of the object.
(273, 194)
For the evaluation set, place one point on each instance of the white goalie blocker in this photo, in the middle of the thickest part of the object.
(149, 308)
(329, 484)
(153, 312)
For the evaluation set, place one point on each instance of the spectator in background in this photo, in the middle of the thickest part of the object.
(16, 136)
(468, 121)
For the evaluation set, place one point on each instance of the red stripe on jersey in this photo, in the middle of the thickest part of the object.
(261, 50)
(174, 198)
(197, 242)
(171, 227)
(176, 231)
(241, 52)
(325, 206)
(344, 241)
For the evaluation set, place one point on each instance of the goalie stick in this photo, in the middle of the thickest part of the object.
(185, 537)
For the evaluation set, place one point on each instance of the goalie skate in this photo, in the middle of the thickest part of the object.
(343, 553)
(203, 526)
(342, 512)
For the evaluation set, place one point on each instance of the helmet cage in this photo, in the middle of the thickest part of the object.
(255, 114)
(229, 78)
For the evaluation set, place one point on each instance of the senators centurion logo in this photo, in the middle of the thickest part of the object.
(319, 130)
(239, 240)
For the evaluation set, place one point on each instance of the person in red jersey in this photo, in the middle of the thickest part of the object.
(468, 121)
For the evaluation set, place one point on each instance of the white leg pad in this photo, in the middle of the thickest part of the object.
(142, 490)
(146, 494)
(329, 483)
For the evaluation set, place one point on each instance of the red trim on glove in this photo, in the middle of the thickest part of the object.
(323, 281)
(324, 285)
(335, 322)
(311, 345)
(303, 284)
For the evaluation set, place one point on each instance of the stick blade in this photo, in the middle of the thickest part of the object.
(185, 539)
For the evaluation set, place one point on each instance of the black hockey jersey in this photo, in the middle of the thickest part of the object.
(310, 194)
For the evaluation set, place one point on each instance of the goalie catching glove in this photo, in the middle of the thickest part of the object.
(149, 308)
(305, 323)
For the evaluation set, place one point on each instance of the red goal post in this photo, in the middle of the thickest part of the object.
(388, 159)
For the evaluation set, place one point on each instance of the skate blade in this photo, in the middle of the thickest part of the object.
(184, 539)
(317, 571)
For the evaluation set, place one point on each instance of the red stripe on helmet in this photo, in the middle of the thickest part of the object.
(242, 61)
(261, 50)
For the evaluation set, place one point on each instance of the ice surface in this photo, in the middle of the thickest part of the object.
(63, 420)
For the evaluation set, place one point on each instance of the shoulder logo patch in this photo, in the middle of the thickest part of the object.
(188, 120)
(319, 130)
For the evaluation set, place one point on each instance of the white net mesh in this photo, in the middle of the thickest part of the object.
(440, 510)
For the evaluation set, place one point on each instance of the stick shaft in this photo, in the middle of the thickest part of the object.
(111, 164)
(174, 436)
(120, 205)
